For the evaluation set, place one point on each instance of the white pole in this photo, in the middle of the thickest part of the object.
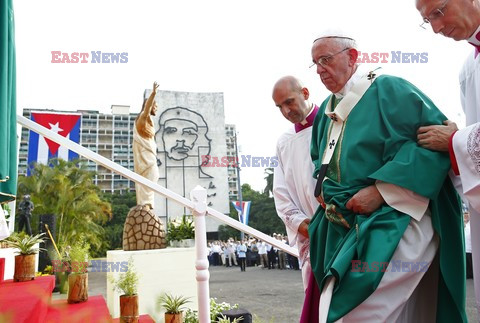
(199, 198)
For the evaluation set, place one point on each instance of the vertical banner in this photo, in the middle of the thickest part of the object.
(8, 104)
(243, 212)
(40, 149)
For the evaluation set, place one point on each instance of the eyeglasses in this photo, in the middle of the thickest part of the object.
(437, 13)
(327, 60)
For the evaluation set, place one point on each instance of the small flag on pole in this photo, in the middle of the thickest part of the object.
(243, 212)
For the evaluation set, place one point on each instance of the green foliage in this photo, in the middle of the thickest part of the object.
(48, 270)
(269, 178)
(224, 319)
(181, 229)
(121, 205)
(226, 232)
(25, 244)
(67, 190)
(191, 316)
(127, 282)
(6, 207)
(172, 304)
(79, 252)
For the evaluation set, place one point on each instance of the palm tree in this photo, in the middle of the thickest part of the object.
(269, 178)
(67, 190)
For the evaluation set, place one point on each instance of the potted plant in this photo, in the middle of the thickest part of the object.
(173, 306)
(127, 284)
(181, 233)
(78, 277)
(25, 260)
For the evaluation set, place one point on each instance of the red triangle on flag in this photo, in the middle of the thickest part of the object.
(60, 123)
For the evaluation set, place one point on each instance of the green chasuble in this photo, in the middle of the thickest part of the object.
(378, 142)
(8, 115)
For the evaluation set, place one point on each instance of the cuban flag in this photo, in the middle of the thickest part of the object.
(242, 216)
(40, 150)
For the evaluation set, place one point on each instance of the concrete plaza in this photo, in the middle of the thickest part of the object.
(273, 296)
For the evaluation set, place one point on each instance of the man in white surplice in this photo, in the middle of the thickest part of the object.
(293, 184)
(460, 20)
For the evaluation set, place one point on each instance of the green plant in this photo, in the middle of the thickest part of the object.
(78, 256)
(172, 304)
(26, 244)
(48, 270)
(224, 319)
(191, 316)
(181, 229)
(6, 208)
(127, 282)
(67, 190)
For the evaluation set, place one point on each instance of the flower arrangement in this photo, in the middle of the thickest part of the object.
(181, 229)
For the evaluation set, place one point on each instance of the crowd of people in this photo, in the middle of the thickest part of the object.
(251, 252)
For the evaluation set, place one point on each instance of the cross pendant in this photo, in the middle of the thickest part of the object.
(331, 144)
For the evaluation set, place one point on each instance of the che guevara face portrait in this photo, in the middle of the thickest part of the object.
(182, 132)
(179, 137)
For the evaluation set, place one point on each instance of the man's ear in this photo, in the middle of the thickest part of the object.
(306, 93)
(353, 53)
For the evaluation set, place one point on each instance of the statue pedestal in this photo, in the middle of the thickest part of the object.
(170, 270)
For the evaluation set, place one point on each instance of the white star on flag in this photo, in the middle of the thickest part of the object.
(55, 127)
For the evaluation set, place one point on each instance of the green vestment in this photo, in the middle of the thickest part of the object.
(8, 107)
(378, 142)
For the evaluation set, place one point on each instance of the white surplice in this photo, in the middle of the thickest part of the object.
(466, 145)
(293, 190)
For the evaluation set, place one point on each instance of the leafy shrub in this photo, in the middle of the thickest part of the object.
(180, 229)
(127, 282)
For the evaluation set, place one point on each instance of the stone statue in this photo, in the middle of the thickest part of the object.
(25, 209)
(145, 149)
(143, 230)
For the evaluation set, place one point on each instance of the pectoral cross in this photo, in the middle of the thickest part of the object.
(334, 117)
(332, 143)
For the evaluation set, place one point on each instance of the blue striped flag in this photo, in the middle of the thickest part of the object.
(40, 149)
(243, 212)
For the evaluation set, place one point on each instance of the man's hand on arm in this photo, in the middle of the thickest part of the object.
(321, 201)
(436, 137)
(303, 228)
(366, 201)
